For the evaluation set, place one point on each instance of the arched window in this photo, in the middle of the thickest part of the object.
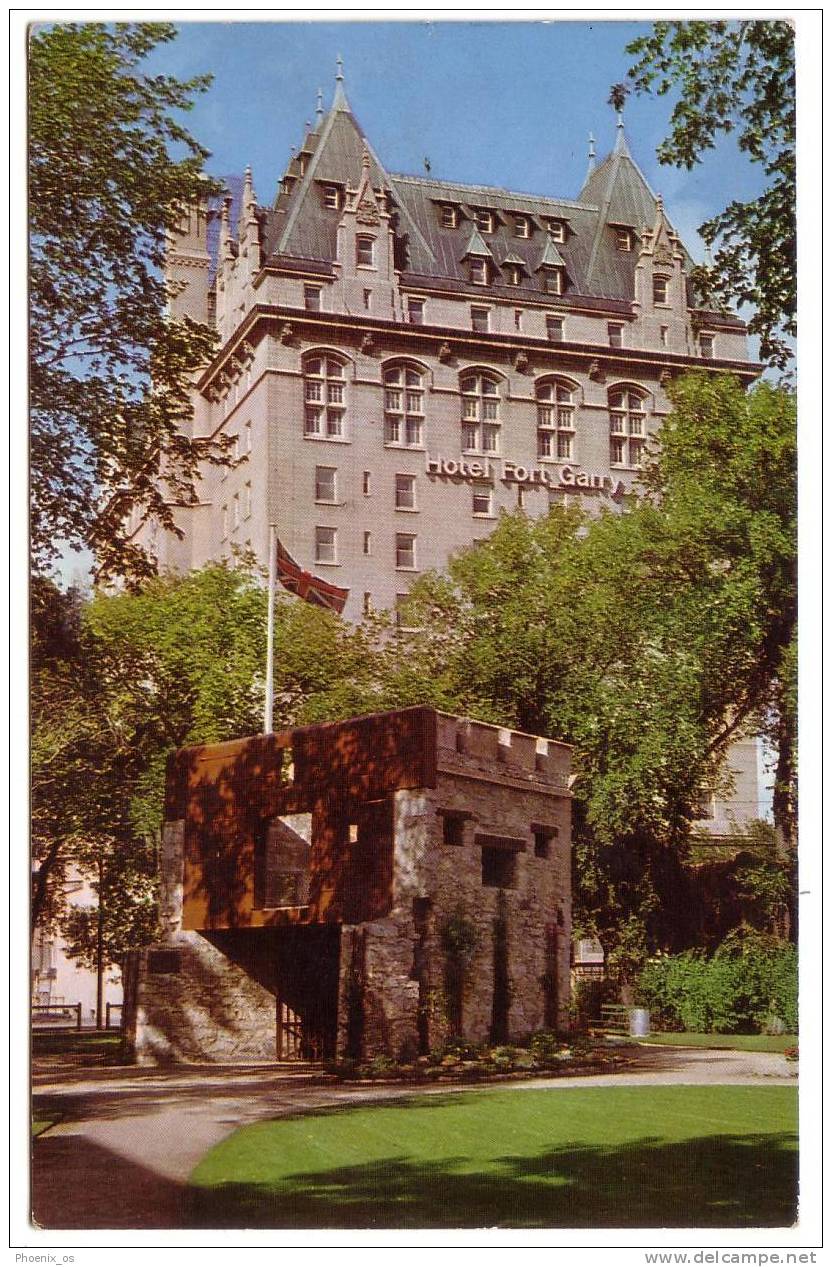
(404, 406)
(325, 395)
(628, 426)
(480, 413)
(556, 420)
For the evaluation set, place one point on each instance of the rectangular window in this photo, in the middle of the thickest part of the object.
(449, 217)
(615, 334)
(624, 239)
(413, 431)
(481, 501)
(480, 320)
(392, 430)
(479, 272)
(334, 423)
(453, 829)
(617, 446)
(365, 251)
(557, 230)
(543, 837)
(332, 197)
(416, 311)
(498, 868)
(365, 484)
(405, 551)
(405, 492)
(312, 298)
(368, 299)
(518, 318)
(490, 438)
(706, 346)
(663, 336)
(325, 545)
(325, 483)
(564, 446)
(368, 543)
(554, 329)
(513, 275)
(485, 220)
(553, 281)
(313, 422)
(660, 285)
(521, 226)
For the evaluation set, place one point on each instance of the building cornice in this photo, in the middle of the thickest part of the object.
(484, 345)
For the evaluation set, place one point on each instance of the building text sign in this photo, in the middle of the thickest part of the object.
(564, 478)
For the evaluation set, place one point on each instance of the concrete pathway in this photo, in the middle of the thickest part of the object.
(129, 1138)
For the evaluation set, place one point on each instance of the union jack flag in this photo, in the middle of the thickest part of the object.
(298, 581)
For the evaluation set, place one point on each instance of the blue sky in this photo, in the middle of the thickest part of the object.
(503, 103)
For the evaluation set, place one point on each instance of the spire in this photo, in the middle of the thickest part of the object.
(319, 108)
(621, 146)
(590, 157)
(339, 101)
(249, 196)
(225, 227)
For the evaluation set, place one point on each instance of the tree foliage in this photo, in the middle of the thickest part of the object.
(132, 677)
(104, 191)
(649, 640)
(736, 77)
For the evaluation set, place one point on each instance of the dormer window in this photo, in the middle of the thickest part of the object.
(485, 220)
(660, 290)
(557, 230)
(332, 197)
(552, 279)
(449, 217)
(522, 229)
(365, 251)
(479, 271)
(513, 275)
(623, 239)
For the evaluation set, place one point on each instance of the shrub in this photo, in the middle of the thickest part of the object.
(750, 980)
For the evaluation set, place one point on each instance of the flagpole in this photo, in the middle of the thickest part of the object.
(268, 707)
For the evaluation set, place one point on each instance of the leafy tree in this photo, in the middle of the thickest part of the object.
(178, 662)
(736, 77)
(648, 640)
(104, 191)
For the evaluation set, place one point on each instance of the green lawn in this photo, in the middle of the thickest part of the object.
(77, 1047)
(602, 1157)
(41, 1124)
(732, 1042)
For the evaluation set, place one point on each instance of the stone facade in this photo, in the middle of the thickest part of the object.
(468, 935)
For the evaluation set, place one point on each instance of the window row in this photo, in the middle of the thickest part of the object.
(236, 511)
(403, 489)
(404, 547)
(404, 413)
(488, 220)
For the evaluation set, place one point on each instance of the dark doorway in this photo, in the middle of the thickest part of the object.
(306, 986)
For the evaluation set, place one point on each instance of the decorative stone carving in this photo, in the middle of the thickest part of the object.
(596, 373)
(367, 212)
(445, 353)
(287, 333)
(521, 362)
(367, 344)
(663, 255)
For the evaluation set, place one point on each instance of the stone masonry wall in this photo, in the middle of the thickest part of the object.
(401, 961)
(200, 1007)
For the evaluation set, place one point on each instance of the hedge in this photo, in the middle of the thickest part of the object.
(746, 987)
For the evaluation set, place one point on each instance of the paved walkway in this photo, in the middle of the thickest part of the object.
(129, 1138)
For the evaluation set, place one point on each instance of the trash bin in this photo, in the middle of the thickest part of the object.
(639, 1022)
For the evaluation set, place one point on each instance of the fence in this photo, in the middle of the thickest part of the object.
(114, 1007)
(57, 1015)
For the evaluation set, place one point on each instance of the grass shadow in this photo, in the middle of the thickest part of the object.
(713, 1181)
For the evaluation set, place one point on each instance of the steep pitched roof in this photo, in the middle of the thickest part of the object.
(300, 225)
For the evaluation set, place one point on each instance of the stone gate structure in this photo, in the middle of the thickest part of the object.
(358, 888)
